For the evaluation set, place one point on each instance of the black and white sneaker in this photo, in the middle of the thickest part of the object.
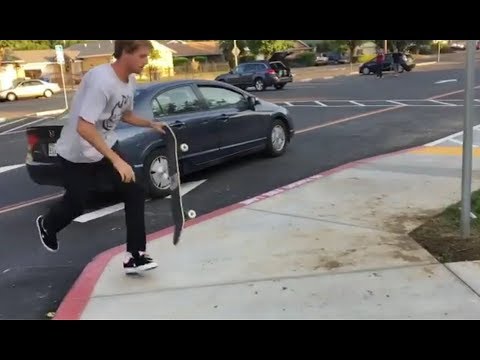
(49, 241)
(136, 264)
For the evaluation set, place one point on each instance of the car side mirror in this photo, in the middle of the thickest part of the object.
(252, 101)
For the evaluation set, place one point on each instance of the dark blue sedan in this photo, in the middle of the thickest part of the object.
(218, 121)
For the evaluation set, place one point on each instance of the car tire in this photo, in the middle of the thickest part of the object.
(277, 138)
(48, 93)
(153, 188)
(259, 84)
(279, 86)
(365, 71)
(11, 97)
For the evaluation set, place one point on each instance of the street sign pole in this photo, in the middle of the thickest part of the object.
(235, 52)
(467, 141)
(61, 61)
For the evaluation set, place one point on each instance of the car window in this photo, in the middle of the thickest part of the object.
(218, 98)
(250, 68)
(179, 100)
(239, 69)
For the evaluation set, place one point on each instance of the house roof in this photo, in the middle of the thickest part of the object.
(97, 48)
(35, 56)
(193, 48)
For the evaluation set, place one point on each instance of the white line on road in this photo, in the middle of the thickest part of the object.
(397, 102)
(449, 137)
(13, 122)
(320, 103)
(24, 125)
(10, 167)
(187, 187)
(356, 103)
(445, 81)
(442, 103)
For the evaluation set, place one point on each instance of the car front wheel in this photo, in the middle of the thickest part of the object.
(277, 138)
(157, 181)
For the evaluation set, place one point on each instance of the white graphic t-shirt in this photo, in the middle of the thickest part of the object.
(101, 99)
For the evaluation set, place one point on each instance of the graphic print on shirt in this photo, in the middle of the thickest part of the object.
(116, 113)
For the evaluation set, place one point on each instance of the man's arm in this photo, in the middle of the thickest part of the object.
(132, 119)
(88, 131)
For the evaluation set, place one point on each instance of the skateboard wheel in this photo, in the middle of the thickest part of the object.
(192, 214)
(184, 147)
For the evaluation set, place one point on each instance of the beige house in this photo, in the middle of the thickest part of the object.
(96, 52)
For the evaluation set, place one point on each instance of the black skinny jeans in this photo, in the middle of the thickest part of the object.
(78, 178)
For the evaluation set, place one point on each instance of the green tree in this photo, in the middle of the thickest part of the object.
(227, 47)
(268, 47)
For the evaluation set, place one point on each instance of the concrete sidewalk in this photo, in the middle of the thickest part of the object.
(334, 246)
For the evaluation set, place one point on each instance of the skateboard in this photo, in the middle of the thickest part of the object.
(178, 212)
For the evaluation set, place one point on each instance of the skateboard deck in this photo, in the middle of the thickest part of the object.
(178, 213)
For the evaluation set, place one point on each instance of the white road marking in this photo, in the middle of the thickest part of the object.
(24, 125)
(345, 103)
(13, 122)
(356, 103)
(445, 81)
(10, 167)
(185, 188)
(397, 103)
(449, 137)
(442, 103)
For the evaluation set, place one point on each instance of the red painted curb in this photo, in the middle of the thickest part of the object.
(79, 295)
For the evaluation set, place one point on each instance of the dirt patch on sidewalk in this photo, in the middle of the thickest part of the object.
(441, 234)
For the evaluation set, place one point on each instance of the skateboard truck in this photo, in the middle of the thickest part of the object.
(184, 147)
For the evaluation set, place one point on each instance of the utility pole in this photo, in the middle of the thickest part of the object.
(235, 52)
(385, 47)
(467, 141)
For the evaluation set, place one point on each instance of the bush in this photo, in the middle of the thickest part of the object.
(201, 59)
(180, 61)
(306, 59)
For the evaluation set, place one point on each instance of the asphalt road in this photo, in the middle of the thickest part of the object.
(331, 130)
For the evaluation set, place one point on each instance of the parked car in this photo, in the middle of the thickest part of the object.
(29, 89)
(321, 59)
(369, 67)
(259, 74)
(218, 121)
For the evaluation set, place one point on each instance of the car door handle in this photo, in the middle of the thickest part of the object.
(223, 117)
(177, 124)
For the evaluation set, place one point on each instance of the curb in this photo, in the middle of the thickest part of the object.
(77, 298)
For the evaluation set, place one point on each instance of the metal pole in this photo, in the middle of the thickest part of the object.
(64, 89)
(385, 50)
(236, 57)
(438, 55)
(467, 141)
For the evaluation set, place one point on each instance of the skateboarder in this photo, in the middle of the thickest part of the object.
(87, 150)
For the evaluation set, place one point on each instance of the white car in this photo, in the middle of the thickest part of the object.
(29, 89)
